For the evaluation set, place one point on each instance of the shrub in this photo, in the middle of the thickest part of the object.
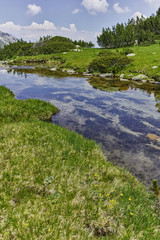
(126, 51)
(108, 62)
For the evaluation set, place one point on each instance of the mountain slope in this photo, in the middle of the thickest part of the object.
(6, 38)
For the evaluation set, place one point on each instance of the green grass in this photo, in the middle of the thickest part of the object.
(77, 60)
(12, 109)
(55, 184)
(143, 61)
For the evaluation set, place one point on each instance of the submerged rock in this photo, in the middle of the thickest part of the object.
(153, 137)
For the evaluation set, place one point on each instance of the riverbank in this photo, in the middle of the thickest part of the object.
(56, 184)
(145, 60)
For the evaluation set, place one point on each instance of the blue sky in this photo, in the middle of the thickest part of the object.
(77, 19)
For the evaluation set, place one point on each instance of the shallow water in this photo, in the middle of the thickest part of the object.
(119, 120)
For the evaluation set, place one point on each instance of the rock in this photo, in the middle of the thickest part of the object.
(131, 55)
(121, 76)
(106, 75)
(154, 67)
(153, 137)
(155, 82)
(70, 71)
(124, 80)
(53, 69)
(136, 42)
(64, 53)
(130, 75)
(87, 74)
(76, 50)
(140, 77)
(144, 81)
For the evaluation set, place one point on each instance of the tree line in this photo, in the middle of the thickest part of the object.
(142, 31)
(45, 45)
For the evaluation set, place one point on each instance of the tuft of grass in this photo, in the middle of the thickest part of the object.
(55, 184)
(12, 109)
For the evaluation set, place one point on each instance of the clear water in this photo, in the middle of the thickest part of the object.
(119, 121)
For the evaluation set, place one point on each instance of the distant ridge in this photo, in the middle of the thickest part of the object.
(6, 38)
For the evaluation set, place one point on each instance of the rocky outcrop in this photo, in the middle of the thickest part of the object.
(6, 38)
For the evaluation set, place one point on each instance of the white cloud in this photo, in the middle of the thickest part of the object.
(138, 14)
(72, 28)
(33, 9)
(75, 11)
(34, 31)
(119, 9)
(94, 6)
(154, 3)
(45, 26)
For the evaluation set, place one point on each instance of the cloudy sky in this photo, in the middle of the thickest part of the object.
(77, 19)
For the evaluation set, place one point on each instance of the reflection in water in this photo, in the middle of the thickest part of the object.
(120, 120)
(112, 85)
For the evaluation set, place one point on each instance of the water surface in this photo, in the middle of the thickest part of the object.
(118, 120)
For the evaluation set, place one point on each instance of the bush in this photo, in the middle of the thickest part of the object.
(126, 51)
(108, 62)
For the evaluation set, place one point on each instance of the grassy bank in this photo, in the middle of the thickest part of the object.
(70, 60)
(145, 58)
(55, 184)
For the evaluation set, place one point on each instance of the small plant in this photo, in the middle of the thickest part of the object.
(155, 188)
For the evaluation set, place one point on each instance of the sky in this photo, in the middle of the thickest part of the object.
(76, 19)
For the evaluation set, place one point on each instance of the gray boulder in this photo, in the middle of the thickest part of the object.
(70, 71)
(140, 77)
